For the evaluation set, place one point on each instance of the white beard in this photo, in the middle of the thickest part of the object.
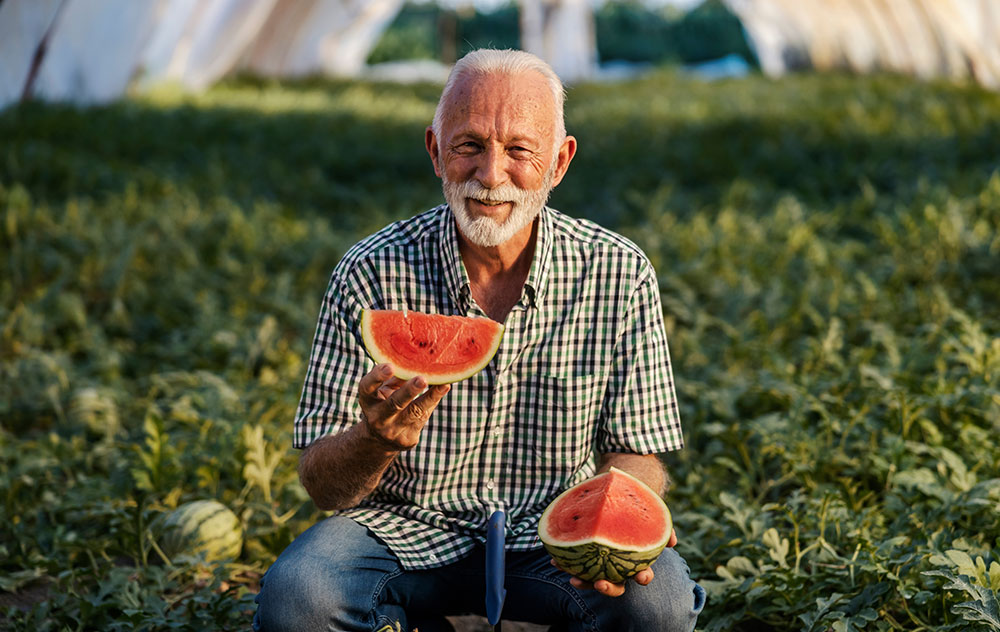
(485, 231)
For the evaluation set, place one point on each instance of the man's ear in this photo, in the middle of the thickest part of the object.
(565, 156)
(430, 141)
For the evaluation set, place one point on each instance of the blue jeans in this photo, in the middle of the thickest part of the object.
(339, 576)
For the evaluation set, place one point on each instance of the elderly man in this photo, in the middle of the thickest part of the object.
(581, 382)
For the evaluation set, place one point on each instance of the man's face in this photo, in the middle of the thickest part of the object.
(497, 154)
(493, 229)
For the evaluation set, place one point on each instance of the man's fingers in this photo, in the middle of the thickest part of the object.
(602, 586)
(419, 410)
(394, 410)
(644, 577)
(402, 396)
(424, 405)
(388, 388)
(576, 582)
(605, 587)
(414, 402)
(373, 381)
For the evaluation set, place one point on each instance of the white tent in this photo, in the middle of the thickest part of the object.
(91, 53)
(562, 33)
(88, 51)
(317, 36)
(196, 43)
(24, 27)
(926, 38)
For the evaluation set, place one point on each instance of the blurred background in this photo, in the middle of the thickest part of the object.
(816, 182)
(48, 48)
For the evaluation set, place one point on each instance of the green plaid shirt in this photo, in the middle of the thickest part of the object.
(583, 369)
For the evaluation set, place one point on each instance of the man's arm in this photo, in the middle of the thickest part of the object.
(645, 467)
(338, 471)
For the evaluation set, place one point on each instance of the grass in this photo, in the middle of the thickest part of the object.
(827, 247)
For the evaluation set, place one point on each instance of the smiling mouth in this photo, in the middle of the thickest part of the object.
(490, 204)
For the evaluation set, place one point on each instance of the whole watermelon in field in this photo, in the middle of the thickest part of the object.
(200, 528)
(610, 526)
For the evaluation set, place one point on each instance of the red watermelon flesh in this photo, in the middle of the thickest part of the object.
(443, 349)
(612, 505)
(609, 527)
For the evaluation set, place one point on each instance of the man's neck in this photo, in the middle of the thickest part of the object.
(497, 273)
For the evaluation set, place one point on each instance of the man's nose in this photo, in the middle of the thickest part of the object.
(491, 171)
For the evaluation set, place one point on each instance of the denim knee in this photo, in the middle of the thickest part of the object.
(671, 603)
(315, 585)
(292, 600)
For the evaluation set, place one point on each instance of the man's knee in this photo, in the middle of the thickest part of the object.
(671, 603)
(314, 585)
(301, 594)
(677, 603)
(677, 613)
(293, 598)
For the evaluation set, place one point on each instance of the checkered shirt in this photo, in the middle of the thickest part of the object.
(583, 369)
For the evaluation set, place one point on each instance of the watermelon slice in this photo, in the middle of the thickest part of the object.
(443, 349)
(610, 526)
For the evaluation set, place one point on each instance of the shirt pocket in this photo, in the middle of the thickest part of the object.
(563, 414)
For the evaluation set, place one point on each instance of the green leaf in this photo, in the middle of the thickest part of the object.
(11, 582)
(983, 606)
(777, 546)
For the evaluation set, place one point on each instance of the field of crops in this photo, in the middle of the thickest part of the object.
(828, 251)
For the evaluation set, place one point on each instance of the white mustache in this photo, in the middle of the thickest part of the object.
(504, 193)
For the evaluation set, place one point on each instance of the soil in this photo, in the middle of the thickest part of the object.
(480, 624)
(35, 593)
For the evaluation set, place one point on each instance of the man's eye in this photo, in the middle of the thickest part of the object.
(467, 147)
(519, 151)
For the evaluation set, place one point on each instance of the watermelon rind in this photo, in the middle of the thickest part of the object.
(383, 355)
(200, 528)
(596, 558)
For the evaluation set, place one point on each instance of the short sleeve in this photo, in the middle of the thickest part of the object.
(337, 363)
(639, 412)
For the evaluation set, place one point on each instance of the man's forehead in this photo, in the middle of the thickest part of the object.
(521, 95)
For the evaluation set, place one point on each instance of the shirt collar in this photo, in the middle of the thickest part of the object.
(455, 276)
(457, 279)
(534, 286)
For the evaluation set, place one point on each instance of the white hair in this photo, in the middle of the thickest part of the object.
(486, 61)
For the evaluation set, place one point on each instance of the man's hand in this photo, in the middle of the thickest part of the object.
(394, 411)
(605, 587)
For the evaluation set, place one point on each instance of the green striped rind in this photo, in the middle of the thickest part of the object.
(201, 528)
(593, 561)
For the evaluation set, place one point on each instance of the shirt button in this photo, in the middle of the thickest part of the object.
(433, 557)
(489, 484)
(497, 431)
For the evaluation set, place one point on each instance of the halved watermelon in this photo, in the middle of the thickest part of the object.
(443, 349)
(610, 526)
